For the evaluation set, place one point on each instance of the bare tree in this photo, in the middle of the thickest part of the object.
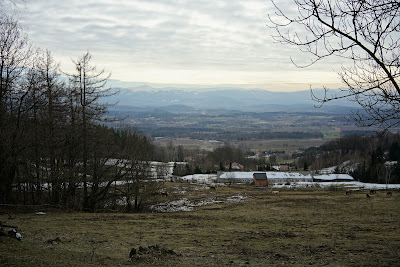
(52, 120)
(9, 6)
(365, 33)
(89, 86)
(14, 59)
(139, 186)
(30, 167)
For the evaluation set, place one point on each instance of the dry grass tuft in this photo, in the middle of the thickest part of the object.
(296, 228)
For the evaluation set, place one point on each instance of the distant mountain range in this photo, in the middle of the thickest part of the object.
(171, 99)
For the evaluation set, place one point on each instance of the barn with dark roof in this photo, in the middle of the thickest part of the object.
(260, 178)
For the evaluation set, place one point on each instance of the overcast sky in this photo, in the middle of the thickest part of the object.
(204, 42)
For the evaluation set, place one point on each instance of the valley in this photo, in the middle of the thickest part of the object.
(253, 120)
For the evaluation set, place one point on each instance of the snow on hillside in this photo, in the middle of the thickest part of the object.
(211, 178)
(201, 178)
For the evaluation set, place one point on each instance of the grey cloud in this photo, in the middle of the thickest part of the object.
(178, 33)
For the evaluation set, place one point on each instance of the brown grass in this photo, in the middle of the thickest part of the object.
(295, 228)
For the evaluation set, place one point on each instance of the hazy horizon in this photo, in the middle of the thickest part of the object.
(179, 43)
(288, 88)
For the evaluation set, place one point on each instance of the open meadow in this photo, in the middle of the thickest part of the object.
(319, 227)
(288, 145)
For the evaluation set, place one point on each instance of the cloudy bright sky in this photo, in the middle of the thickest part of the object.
(203, 42)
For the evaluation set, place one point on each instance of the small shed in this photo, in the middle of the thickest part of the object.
(260, 178)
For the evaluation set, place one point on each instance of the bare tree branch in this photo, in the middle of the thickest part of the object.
(366, 33)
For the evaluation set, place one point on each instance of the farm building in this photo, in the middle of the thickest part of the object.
(153, 169)
(281, 168)
(333, 178)
(235, 166)
(288, 177)
(281, 177)
(272, 177)
(234, 177)
(260, 178)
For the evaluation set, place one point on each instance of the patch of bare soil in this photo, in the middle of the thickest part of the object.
(151, 254)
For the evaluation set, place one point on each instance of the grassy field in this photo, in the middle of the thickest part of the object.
(288, 145)
(331, 134)
(297, 228)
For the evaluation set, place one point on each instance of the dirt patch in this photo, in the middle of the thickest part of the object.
(151, 254)
(54, 241)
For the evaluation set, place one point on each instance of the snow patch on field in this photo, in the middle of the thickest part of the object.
(184, 204)
(200, 178)
(352, 184)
